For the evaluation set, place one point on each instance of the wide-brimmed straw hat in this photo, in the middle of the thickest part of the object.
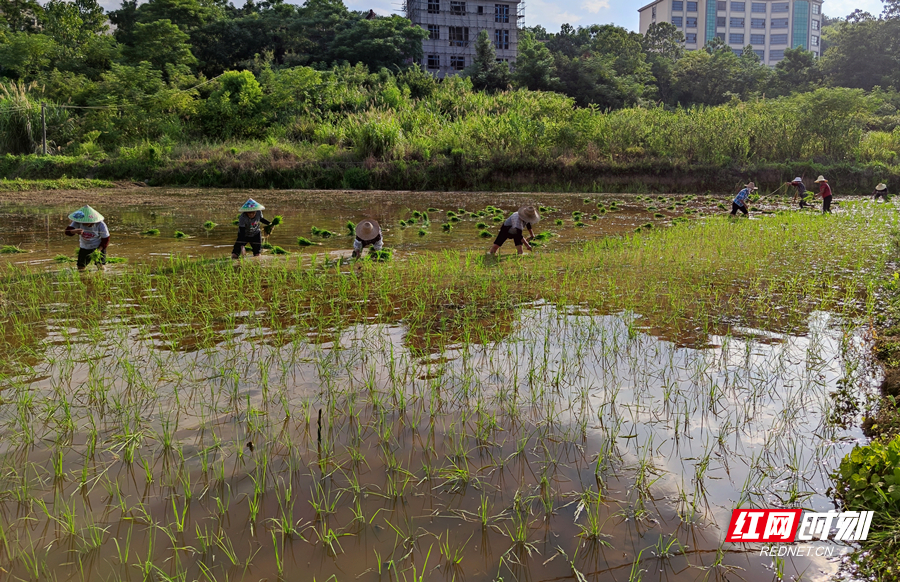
(797, 179)
(751, 185)
(367, 229)
(881, 187)
(252, 206)
(86, 215)
(820, 179)
(529, 214)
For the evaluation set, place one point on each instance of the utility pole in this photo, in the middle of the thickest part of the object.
(44, 127)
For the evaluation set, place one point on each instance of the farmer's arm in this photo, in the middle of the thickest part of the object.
(104, 242)
(531, 232)
(264, 221)
(72, 231)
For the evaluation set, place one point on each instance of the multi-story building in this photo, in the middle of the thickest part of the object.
(770, 26)
(453, 27)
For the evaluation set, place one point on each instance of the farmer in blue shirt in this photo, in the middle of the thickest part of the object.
(741, 200)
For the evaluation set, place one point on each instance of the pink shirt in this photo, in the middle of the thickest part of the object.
(825, 190)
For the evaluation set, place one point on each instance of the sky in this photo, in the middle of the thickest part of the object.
(551, 14)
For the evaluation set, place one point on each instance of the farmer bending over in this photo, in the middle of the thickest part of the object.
(513, 227)
(882, 191)
(801, 191)
(93, 235)
(368, 233)
(248, 229)
(740, 201)
(825, 193)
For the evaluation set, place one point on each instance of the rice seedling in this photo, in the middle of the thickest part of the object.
(558, 222)
(447, 227)
(498, 219)
(63, 259)
(422, 232)
(351, 228)
(209, 225)
(151, 232)
(324, 233)
(11, 250)
(277, 220)
(659, 215)
(304, 242)
(485, 234)
(481, 225)
(180, 234)
(276, 250)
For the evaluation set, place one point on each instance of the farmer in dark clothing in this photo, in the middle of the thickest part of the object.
(249, 229)
(882, 191)
(741, 200)
(825, 193)
(368, 233)
(513, 228)
(801, 191)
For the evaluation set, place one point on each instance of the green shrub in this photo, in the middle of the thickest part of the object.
(357, 179)
(868, 478)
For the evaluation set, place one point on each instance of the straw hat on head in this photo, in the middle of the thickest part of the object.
(367, 229)
(881, 187)
(86, 215)
(252, 206)
(820, 179)
(529, 214)
(751, 186)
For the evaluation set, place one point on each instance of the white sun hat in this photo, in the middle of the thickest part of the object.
(86, 215)
(881, 187)
(797, 179)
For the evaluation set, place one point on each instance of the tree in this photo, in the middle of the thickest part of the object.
(391, 42)
(535, 69)
(21, 15)
(160, 43)
(486, 73)
(797, 72)
(234, 109)
(663, 46)
(862, 53)
(24, 55)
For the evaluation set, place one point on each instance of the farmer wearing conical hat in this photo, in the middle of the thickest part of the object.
(801, 191)
(741, 200)
(825, 193)
(513, 228)
(249, 229)
(93, 235)
(882, 191)
(368, 233)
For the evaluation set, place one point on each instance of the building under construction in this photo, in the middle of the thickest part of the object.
(453, 27)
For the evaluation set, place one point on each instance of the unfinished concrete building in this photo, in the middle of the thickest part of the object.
(453, 27)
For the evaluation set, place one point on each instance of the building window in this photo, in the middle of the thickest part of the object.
(815, 24)
(778, 39)
(721, 5)
(776, 55)
(458, 62)
(800, 25)
(501, 13)
(457, 8)
(737, 23)
(720, 36)
(459, 36)
(757, 23)
(758, 7)
(691, 22)
(817, 9)
(434, 61)
(780, 7)
(720, 22)
(761, 54)
(690, 38)
(738, 6)
(653, 13)
(736, 38)
(677, 21)
(814, 40)
(757, 39)
(677, 6)
(434, 32)
(480, 10)
(434, 7)
(779, 23)
(692, 7)
(501, 39)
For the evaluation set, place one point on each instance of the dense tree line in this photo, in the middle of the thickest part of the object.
(188, 70)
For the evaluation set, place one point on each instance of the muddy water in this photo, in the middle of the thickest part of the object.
(36, 225)
(135, 454)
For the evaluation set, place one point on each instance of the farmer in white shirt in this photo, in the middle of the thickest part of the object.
(524, 218)
(93, 235)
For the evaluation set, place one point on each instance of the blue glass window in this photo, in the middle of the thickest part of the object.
(735, 38)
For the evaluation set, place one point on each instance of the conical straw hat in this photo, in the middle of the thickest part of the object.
(86, 215)
(881, 187)
(529, 214)
(751, 186)
(367, 229)
(821, 179)
(252, 206)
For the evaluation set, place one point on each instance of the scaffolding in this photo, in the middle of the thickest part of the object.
(454, 26)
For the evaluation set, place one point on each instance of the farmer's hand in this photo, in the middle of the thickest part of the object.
(78, 231)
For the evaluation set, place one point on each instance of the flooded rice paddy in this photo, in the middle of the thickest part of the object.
(540, 441)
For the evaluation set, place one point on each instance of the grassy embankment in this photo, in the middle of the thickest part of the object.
(378, 136)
